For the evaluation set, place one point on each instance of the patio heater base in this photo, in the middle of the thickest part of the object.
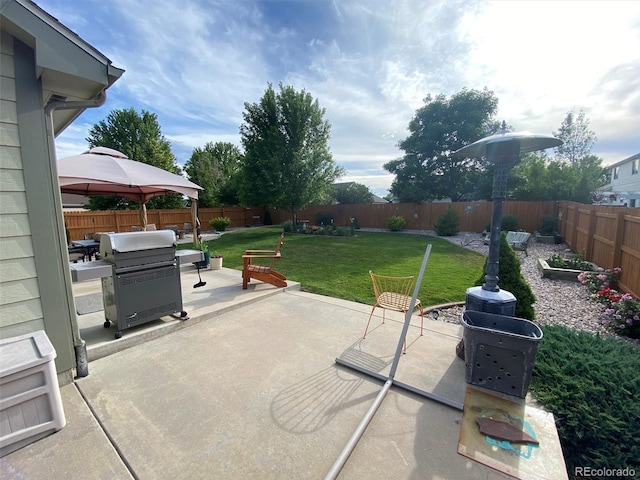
(477, 299)
(501, 302)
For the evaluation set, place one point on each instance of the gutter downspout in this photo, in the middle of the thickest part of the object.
(80, 347)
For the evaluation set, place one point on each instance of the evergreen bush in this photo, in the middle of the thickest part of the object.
(509, 224)
(591, 384)
(396, 223)
(548, 226)
(287, 226)
(510, 279)
(447, 223)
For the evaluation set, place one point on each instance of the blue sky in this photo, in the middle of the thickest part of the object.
(369, 63)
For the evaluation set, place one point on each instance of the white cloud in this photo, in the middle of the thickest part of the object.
(370, 63)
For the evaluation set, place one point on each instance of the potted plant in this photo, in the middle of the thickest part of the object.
(216, 261)
(204, 248)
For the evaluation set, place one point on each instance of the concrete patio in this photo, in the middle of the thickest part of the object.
(248, 387)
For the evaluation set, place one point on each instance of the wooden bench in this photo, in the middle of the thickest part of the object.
(519, 241)
(264, 273)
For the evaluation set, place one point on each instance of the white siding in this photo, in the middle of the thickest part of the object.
(626, 181)
(20, 307)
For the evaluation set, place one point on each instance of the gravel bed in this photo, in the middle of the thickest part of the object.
(558, 302)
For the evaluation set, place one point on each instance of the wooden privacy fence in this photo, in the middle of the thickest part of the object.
(606, 236)
(81, 223)
(473, 216)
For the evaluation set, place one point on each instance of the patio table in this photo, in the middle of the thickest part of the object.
(90, 247)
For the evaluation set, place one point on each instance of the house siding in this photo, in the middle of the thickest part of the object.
(19, 291)
(32, 260)
(627, 180)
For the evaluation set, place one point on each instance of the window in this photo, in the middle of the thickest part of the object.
(616, 172)
(634, 166)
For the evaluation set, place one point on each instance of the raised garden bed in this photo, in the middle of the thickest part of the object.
(554, 273)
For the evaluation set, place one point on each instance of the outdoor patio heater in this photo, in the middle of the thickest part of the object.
(502, 149)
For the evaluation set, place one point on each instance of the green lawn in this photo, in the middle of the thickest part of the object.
(338, 266)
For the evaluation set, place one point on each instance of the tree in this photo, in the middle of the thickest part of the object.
(576, 136)
(352, 192)
(287, 161)
(215, 168)
(138, 136)
(441, 126)
(573, 174)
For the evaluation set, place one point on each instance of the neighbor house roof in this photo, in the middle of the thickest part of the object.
(628, 159)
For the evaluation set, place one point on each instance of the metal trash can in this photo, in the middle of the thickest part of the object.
(500, 351)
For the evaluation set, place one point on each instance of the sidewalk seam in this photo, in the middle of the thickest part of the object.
(126, 463)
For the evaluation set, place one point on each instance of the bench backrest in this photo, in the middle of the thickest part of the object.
(518, 237)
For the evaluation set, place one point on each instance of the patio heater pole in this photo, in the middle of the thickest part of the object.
(503, 149)
(504, 155)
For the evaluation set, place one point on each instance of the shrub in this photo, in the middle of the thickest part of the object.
(590, 383)
(509, 223)
(287, 227)
(548, 226)
(510, 279)
(324, 218)
(396, 223)
(447, 223)
(220, 223)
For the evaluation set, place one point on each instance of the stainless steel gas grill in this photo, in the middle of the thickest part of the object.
(144, 284)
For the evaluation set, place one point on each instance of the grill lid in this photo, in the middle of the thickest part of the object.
(112, 244)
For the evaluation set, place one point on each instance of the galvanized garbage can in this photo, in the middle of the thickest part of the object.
(500, 351)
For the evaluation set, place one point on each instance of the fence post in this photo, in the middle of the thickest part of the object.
(617, 240)
(588, 254)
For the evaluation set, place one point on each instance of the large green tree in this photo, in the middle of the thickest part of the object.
(215, 167)
(427, 171)
(287, 161)
(139, 137)
(352, 192)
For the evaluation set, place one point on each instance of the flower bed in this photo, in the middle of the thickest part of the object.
(622, 315)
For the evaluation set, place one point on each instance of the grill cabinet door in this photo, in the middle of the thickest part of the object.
(145, 295)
